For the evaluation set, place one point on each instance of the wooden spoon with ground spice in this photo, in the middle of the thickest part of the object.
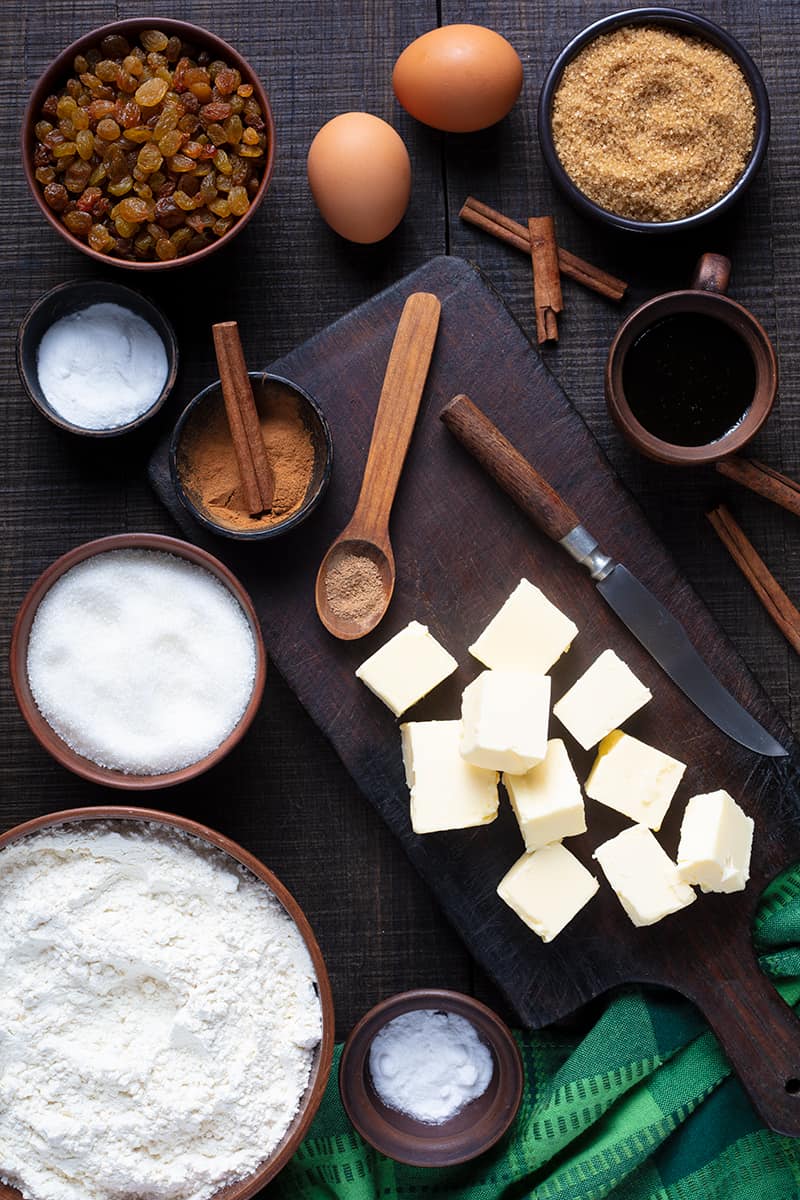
(356, 577)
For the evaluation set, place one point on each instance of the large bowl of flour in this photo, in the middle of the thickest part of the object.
(137, 660)
(166, 1019)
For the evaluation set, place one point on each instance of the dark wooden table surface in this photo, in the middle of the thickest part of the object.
(283, 793)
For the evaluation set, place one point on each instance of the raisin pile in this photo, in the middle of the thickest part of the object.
(150, 151)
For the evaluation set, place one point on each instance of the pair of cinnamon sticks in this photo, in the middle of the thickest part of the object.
(781, 490)
(549, 261)
(258, 480)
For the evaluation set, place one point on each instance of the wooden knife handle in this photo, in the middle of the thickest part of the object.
(758, 1031)
(507, 467)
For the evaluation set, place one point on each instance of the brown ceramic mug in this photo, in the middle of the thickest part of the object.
(706, 296)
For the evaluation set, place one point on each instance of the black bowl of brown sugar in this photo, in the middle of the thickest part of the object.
(653, 120)
(205, 473)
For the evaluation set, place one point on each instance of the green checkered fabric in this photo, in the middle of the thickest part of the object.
(642, 1108)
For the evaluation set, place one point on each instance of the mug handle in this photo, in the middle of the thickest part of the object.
(712, 274)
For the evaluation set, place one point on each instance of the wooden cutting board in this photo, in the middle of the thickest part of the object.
(461, 547)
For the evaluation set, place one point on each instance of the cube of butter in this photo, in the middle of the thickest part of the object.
(504, 716)
(643, 875)
(547, 800)
(716, 841)
(634, 779)
(407, 667)
(527, 634)
(446, 792)
(606, 694)
(547, 889)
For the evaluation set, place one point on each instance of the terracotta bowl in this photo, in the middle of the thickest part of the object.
(206, 403)
(677, 21)
(60, 70)
(470, 1132)
(321, 1066)
(46, 735)
(62, 301)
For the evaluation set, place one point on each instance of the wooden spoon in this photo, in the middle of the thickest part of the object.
(358, 571)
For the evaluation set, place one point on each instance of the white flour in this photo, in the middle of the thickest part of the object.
(158, 1016)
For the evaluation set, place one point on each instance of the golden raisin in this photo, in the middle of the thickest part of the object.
(151, 92)
(153, 39)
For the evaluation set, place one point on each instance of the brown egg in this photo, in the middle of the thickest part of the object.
(360, 176)
(458, 78)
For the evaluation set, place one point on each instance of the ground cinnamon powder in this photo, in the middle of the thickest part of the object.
(651, 124)
(207, 461)
(353, 586)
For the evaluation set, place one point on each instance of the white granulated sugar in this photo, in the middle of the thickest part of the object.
(141, 661)
(101, 367)
(158, 1016)
(429, 1065)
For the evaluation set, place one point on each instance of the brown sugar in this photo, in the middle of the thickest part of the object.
(208, 469)
(653, 125)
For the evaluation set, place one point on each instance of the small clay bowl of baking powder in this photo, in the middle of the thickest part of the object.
(674, 21)
(76, 296)
(47, 736)
(311, 1099)
(475, 1128)
(203, 468)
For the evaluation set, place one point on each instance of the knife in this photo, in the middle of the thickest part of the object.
(658, 631)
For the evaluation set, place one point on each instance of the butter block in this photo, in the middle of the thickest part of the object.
(547, 800)
(504, 717)
(446, 792)
(643, 875)
(547, 888)
(634, 779)
(527, 634)
(407, 667)
(604, 697)
(716, 841)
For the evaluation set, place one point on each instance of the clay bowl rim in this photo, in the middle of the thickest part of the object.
(692, 25)
(321, 1067)
(721, 307)
(47, 737)
(432, 1146)
(59, 70)
(290, 523)
(160, 323)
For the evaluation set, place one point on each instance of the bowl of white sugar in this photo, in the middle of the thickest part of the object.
(166, 1014)
(137, 661)
(96, 358)
(431, 1077)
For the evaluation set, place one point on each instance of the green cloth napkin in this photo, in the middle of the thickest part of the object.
(643, 1108)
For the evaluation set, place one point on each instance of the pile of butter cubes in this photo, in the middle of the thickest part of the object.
(453, 769)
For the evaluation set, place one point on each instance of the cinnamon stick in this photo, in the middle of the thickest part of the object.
(546, 277)
(764, 480)
(513, 234)
(255, 471)
(752, 566)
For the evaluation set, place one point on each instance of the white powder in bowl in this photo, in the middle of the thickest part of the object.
(429, 1065)
(158, 1015)
(101, 367)
(141, 661)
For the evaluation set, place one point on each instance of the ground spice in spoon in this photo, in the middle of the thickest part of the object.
(354, 587)
(209, 471)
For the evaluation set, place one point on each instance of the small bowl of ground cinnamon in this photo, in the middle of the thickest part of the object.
(653, 120)
(299, 448)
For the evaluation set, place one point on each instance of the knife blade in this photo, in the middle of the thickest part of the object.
(648, 620)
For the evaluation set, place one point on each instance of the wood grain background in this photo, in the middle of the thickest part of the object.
(283, 793)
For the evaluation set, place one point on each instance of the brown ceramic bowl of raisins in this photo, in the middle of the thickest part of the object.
(148, 143)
